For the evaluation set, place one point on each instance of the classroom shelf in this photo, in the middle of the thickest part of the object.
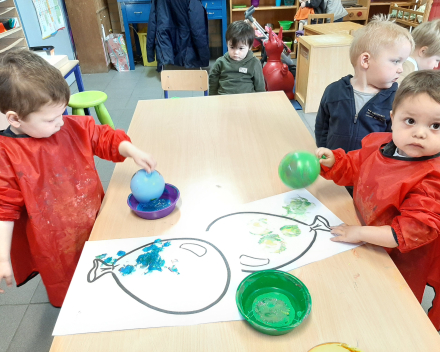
(266, 8)
(405, 3)
(276, 30)
(6, 10)
(5, 45)
(10, 32)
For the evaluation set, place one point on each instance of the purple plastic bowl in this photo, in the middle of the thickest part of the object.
(170, 192)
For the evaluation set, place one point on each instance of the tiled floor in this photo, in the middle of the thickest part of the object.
(26, 316)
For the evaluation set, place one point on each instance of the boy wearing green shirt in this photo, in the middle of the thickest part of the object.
(238, 71)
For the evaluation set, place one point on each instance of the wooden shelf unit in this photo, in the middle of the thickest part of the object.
(267, 12)
(265, 8)
(15, 37)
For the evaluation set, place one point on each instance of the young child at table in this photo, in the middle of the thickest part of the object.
(355, 106)
(50, 192)
(426, 54)
(396, 179)
(238, 71)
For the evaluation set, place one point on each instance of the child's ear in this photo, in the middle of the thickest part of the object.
(392, 118)
(365, 60)
(422, 51)
(13, 119)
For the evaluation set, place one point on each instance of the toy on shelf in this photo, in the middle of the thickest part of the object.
(276, 73)
(6, 25)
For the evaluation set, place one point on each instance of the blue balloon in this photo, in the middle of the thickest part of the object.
(147, 187)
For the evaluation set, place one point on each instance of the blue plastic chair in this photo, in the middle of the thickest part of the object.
(195, 80)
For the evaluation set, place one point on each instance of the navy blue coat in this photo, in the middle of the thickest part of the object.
(178, 33)
(336, 124)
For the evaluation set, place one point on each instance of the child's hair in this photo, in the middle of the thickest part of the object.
(28, 82)
(418, 82)
(428, 34)
(379, 33)
(240, 32)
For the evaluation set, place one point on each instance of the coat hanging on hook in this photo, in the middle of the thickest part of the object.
(178, 33)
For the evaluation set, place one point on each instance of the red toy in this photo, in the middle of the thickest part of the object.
(276, 73)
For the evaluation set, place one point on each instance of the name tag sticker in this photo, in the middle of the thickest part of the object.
(242, 70)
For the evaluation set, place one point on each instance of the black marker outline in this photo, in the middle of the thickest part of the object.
(313, 227)
(194, 244)
(245, 255)
(96, 266)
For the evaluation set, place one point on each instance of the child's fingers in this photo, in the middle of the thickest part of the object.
(338, 239)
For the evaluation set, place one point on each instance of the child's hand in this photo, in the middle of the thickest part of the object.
(5, 273)
(329, 159)
(144, 160)
(346, 233)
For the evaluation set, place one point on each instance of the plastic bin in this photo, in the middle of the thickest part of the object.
(143, 43)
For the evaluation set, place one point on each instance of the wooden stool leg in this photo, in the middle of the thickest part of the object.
(104, 116)
(78, 112)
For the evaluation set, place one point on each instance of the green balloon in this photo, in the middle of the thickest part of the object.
(299, 169)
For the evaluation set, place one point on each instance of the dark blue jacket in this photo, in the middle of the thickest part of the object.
(178, 33)
(337, 125)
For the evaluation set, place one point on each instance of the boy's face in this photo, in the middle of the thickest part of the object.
(428, 62)
(416, 126)
(239, 52)
(42, 123)
(385, 68)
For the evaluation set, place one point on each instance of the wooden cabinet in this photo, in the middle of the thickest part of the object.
(369, 8)
(267, 12)
(14, 37)
(90, 22)
(322, 59)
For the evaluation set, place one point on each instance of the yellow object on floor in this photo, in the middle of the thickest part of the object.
(143, 43)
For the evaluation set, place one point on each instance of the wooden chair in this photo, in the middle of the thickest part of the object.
(408, 15)
(196, 80)
(324, 17)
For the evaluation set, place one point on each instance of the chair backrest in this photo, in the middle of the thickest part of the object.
(324, 17)
(184, 80)
(407, 17)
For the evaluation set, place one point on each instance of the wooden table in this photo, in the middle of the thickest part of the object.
(331, 28)
(225, 150)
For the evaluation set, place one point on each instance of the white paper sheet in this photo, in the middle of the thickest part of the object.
(201, 271)
(202, 292)
(266, 244)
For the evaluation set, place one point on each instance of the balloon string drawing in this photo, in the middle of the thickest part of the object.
(273, 240)
(148, 258)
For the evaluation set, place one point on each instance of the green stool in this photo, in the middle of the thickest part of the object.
(79, 101)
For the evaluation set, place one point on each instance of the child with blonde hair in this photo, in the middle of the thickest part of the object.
(355, 106)
(426, 54)
(396, 179)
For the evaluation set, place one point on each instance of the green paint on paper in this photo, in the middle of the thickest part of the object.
(290, 230)
(298, 207)
(273, 243)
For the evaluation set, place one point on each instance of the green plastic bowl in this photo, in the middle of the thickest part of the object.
(285, 24)
(273, 302)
